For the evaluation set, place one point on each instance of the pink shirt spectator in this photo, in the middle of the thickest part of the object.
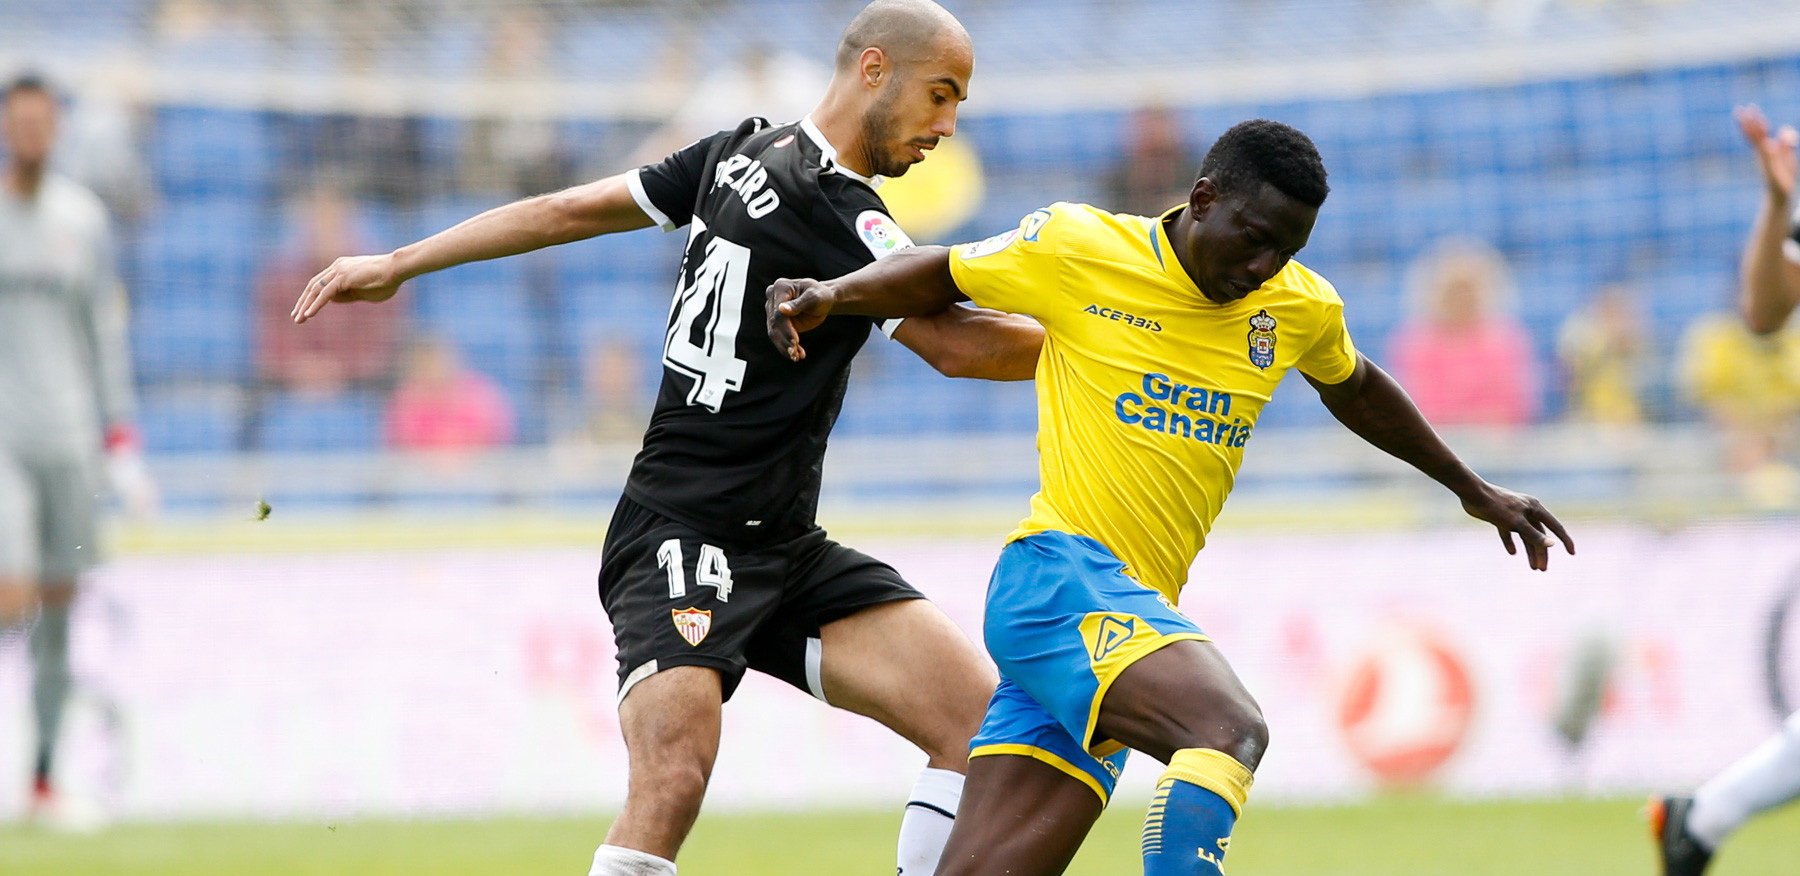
(1477, 375)
(442, 406)
(1462, 358)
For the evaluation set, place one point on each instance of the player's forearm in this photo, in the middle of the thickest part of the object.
(1770, 289)
(1381, 413)
(975, 343)
(912, 282)
(601, 207)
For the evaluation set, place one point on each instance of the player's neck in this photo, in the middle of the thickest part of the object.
(841, 123)
(24, 181)
(1180, 227)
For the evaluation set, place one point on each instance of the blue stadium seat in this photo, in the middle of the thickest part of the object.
(196, 152)
(189, 419)
(179, 341)
(306, 423)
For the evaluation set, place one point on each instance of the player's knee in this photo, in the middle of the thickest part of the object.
(1235, 727)
(673, 784)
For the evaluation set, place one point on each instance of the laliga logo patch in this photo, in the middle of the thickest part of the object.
(692, 623)
(880, 234)
(1262, 339)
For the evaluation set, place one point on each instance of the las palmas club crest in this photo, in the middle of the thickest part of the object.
(1262, 339)
(692, 623)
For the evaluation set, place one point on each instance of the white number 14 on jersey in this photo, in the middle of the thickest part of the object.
(711, 306)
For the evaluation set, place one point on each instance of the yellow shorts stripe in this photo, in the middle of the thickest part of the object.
(1039, 754)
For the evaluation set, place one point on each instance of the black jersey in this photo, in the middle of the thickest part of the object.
(737, 441)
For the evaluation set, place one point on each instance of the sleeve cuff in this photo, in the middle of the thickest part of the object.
(634, 181)
(1792, 248)
(889, 326)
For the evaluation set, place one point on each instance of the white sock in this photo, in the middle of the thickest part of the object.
(621, 861)
(930, 813)
(1762, 780)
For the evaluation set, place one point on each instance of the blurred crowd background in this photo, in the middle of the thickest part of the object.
(1537, 207)
(1537, 214)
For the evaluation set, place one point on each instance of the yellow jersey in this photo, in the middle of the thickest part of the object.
(1147, 390)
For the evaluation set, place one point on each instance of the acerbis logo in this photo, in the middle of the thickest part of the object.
(1117, 315)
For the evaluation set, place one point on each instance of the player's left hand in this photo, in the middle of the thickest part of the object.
(351, 278)
(795, 306)
(1516, 513)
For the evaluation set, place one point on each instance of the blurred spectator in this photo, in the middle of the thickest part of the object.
(358, 350)
(1159, 167)
(1749, 386)
(443, 405)
(1601, 347)
(618, 402)
(513, 154)
(379, 157)
(1464, 359)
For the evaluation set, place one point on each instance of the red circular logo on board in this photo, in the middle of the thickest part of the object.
(1407, 704)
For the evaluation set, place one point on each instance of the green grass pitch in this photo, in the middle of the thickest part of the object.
(1396, 836)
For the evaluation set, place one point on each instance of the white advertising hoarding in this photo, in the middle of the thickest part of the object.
(482, 680)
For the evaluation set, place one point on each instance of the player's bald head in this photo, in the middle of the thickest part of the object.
(904, 30)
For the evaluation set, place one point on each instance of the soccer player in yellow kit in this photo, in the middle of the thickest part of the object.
(1164, 337)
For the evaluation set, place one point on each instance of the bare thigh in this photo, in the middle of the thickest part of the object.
(1019, 816)
(910, 667)
(1184, 695)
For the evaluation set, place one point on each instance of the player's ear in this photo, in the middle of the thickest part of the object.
(1203, 196)
(874, 67)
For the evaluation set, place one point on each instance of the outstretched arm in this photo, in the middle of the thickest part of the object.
(975, 342)
(601, 207)
(1372, 404)
(912, 282)
(1771, 277)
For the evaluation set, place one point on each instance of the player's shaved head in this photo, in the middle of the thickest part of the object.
(904, 30)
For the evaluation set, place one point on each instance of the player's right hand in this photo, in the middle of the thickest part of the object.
(351, 278)
(796, 306)
(1775, 152)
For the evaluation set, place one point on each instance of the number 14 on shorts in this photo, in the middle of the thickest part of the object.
(711, 571)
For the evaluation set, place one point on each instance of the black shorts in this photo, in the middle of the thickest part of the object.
(677, 598)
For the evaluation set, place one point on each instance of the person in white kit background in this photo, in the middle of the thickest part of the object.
(65, 398)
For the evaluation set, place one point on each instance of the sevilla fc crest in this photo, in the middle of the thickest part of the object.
(1262, 339)
(692, 623)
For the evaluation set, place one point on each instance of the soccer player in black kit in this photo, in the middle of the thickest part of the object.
(713, 562)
